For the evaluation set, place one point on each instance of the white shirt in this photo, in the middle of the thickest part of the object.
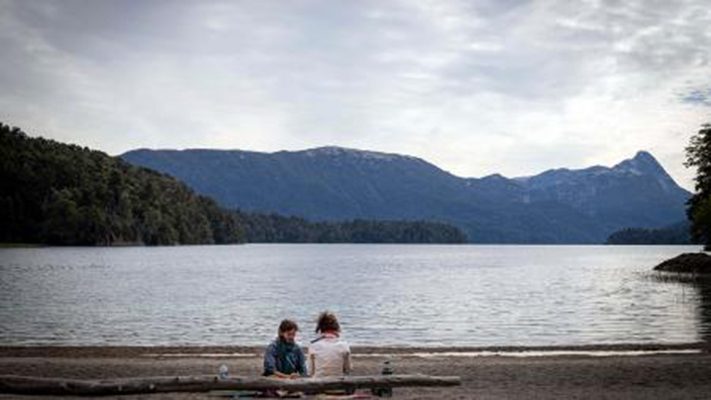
(329, 356)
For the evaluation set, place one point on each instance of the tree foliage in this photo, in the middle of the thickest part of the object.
(698, 155)
(62, 194)
(678, 234)
(275, 228)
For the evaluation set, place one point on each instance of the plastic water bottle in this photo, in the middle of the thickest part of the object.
(223, 372)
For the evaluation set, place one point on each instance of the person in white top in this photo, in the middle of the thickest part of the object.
(329, 355)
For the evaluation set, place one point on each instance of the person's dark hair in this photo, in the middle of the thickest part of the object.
(288, 325)
(327, 321)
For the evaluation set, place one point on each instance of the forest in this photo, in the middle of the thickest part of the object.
(676, 234)
(62, 194)
(275, 228)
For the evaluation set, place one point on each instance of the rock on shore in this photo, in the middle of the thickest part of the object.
(687, 263)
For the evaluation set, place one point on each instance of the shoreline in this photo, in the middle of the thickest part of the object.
(103, 351)
(680, 374)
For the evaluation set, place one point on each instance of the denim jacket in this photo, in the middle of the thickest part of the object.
(292, 359)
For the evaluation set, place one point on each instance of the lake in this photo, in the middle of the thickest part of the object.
(402, 295)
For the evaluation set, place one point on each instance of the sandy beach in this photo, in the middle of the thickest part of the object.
(610, 372)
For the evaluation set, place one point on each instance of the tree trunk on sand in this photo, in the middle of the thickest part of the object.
(52, 386)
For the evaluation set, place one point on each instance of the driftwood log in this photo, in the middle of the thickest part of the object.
(52, 386)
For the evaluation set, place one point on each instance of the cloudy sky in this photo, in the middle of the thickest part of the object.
(475, 87)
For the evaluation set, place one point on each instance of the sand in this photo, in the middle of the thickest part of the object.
(583, 372)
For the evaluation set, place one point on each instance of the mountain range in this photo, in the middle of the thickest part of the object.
(330, 183)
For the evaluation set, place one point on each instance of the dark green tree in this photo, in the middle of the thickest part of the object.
(63, 194)
(698, 155)
(62, 222)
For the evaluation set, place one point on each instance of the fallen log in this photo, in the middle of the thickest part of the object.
(52, 386)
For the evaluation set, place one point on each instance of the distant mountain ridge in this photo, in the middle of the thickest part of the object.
(62, 194)
(336, 183)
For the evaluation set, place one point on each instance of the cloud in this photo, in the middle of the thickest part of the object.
(476, 87)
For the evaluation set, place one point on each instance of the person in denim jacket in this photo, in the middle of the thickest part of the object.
(284, 358)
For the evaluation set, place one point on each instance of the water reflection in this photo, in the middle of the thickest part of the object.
(701, 287)
(705, 310)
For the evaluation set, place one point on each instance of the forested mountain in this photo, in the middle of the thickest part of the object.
(334, 183)
(678, 233)
(63, 194)
(54, 193)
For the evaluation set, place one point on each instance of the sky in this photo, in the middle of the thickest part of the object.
(475, 87)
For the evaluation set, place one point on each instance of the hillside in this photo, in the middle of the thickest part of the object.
(62, 194)
(334, 183)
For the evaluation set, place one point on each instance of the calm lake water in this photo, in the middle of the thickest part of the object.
(424, 295)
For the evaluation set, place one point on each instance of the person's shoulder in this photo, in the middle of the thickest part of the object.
(344, 345)
(272, 345)
(316, 344)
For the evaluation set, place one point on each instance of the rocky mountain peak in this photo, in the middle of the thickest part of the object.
(641, 164)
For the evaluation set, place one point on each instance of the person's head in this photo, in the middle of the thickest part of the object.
(287, 330)
(327, 321)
